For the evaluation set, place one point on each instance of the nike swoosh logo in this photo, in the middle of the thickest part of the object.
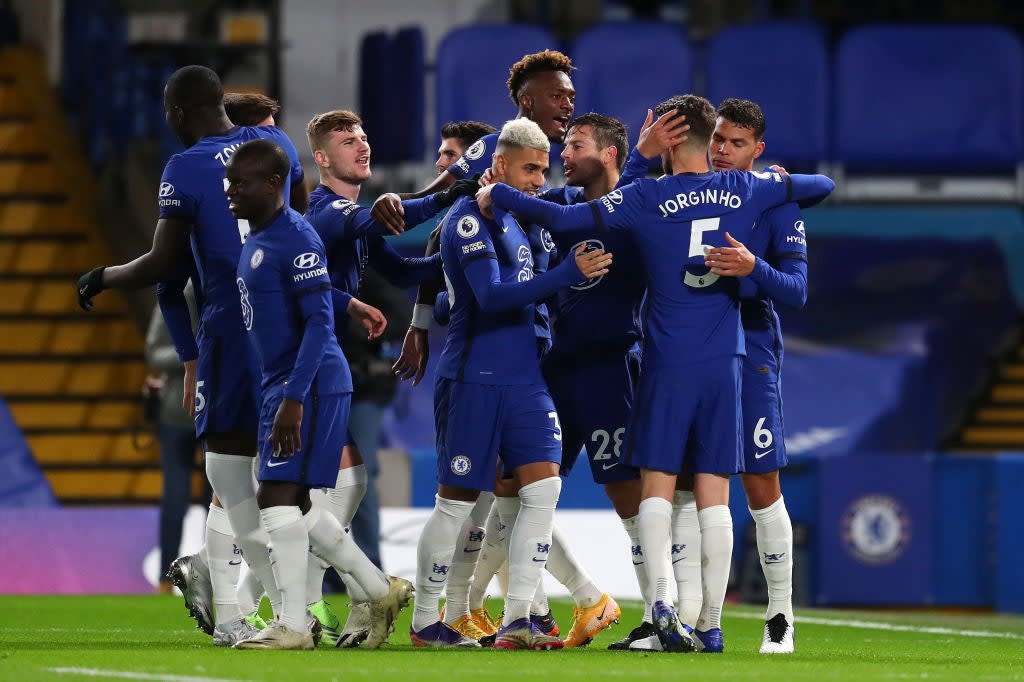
(436, 581)
(82, 291)
(539, 561)
(759, 455)
(638, 563)
(676, 561)
(271, 465)
(234, 563)
(602, 611)
(470, 551)
(606, 467)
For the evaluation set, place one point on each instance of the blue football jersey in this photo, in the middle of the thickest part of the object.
(603, 311)
(477, 158)
(192, 189)
(779, 234)
(690, 314)
(286, 306)
(352, 239)
(492, 291)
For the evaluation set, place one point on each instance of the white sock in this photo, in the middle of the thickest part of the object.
(224, 563)
(639, 563)
(655, 525)
(250, 593)
(467, 551)
(289, 543)
(231, 478)
(775, 542)
(686, 557)
(347, 493)
(434, 556)
(530, 544)
(567, 570)
(335, 545)
(539, 606)
(493, 555)
(316, 567)
(716, 557)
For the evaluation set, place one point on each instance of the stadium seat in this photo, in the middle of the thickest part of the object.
(375, 95)
(625, 68)
(472, 68)
(929, 99)
(790, 84)
(408, 73)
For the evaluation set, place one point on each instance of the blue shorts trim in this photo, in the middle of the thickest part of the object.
(227, 386)
(324, 427)
(688, 418)
(478, 423)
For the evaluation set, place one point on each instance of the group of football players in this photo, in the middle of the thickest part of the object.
(629, 318)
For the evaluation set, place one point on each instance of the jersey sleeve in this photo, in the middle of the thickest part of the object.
(619, 209)
(771, 188)
(788, 238)
(177, 197)
(306, 281)
(476, 159)
(636, 167)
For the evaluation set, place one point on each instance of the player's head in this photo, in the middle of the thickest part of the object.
(339, 146)
(594, 145)
(738, 138)
(521, 157)
(540, 86)
(700, 116)
(256, 175)
(456, 137)
(251, 108)
(192, 96)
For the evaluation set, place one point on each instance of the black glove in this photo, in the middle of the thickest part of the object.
(467, 187)
(89, 284)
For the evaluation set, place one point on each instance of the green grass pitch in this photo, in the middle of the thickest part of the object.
(151, 638)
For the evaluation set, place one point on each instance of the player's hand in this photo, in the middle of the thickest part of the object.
(285, 437)
(370, 318)
(412, 361)
(466, 187)
(188, 396)
(778, 169)
(484, 201)
(89, 284)
(594, 263)
(734, 261)
(388, 211)
(486, 178)
(659, 136)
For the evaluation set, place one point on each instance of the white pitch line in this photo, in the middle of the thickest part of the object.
(873, 625)
(129, 675)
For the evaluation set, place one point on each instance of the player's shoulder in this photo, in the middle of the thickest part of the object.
(464, 221)
(325, 204)
(274, 134)
(476, 152)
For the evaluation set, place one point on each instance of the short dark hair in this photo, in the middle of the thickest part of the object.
(193, 87)
(700, 116)
(269, 156)
(608, 132)
(323, 124)
(466, 132)
(745, 114)
(249, 108)
(532, 64)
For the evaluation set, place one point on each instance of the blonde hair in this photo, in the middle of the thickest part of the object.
(522, 132)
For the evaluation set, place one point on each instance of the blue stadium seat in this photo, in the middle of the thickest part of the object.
(408, 74)
(784, 68)
(929, 99)
(625, 68)
(375, 90)
(472, 68)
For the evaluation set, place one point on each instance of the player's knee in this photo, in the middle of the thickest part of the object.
(762, 490)
(542, 494)
(625, 497)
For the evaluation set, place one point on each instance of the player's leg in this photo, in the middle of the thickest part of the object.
(765, 455)
(465, 416)
(686, 552)
(718, 453)
(493, 555)
(531, 447)
(625, 499)
(461, 574)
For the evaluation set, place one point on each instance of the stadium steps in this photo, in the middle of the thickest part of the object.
(997, 421)
(71, 380)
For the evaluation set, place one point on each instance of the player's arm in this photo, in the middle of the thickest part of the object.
(346, 306)
(493, 295)
(777, 188)
(442, 309)
(655, 137)
(412, 360)
(298, 197)
(400, 271)
(170, 296)
(314, 300)
(160, 352)
(616, 210)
